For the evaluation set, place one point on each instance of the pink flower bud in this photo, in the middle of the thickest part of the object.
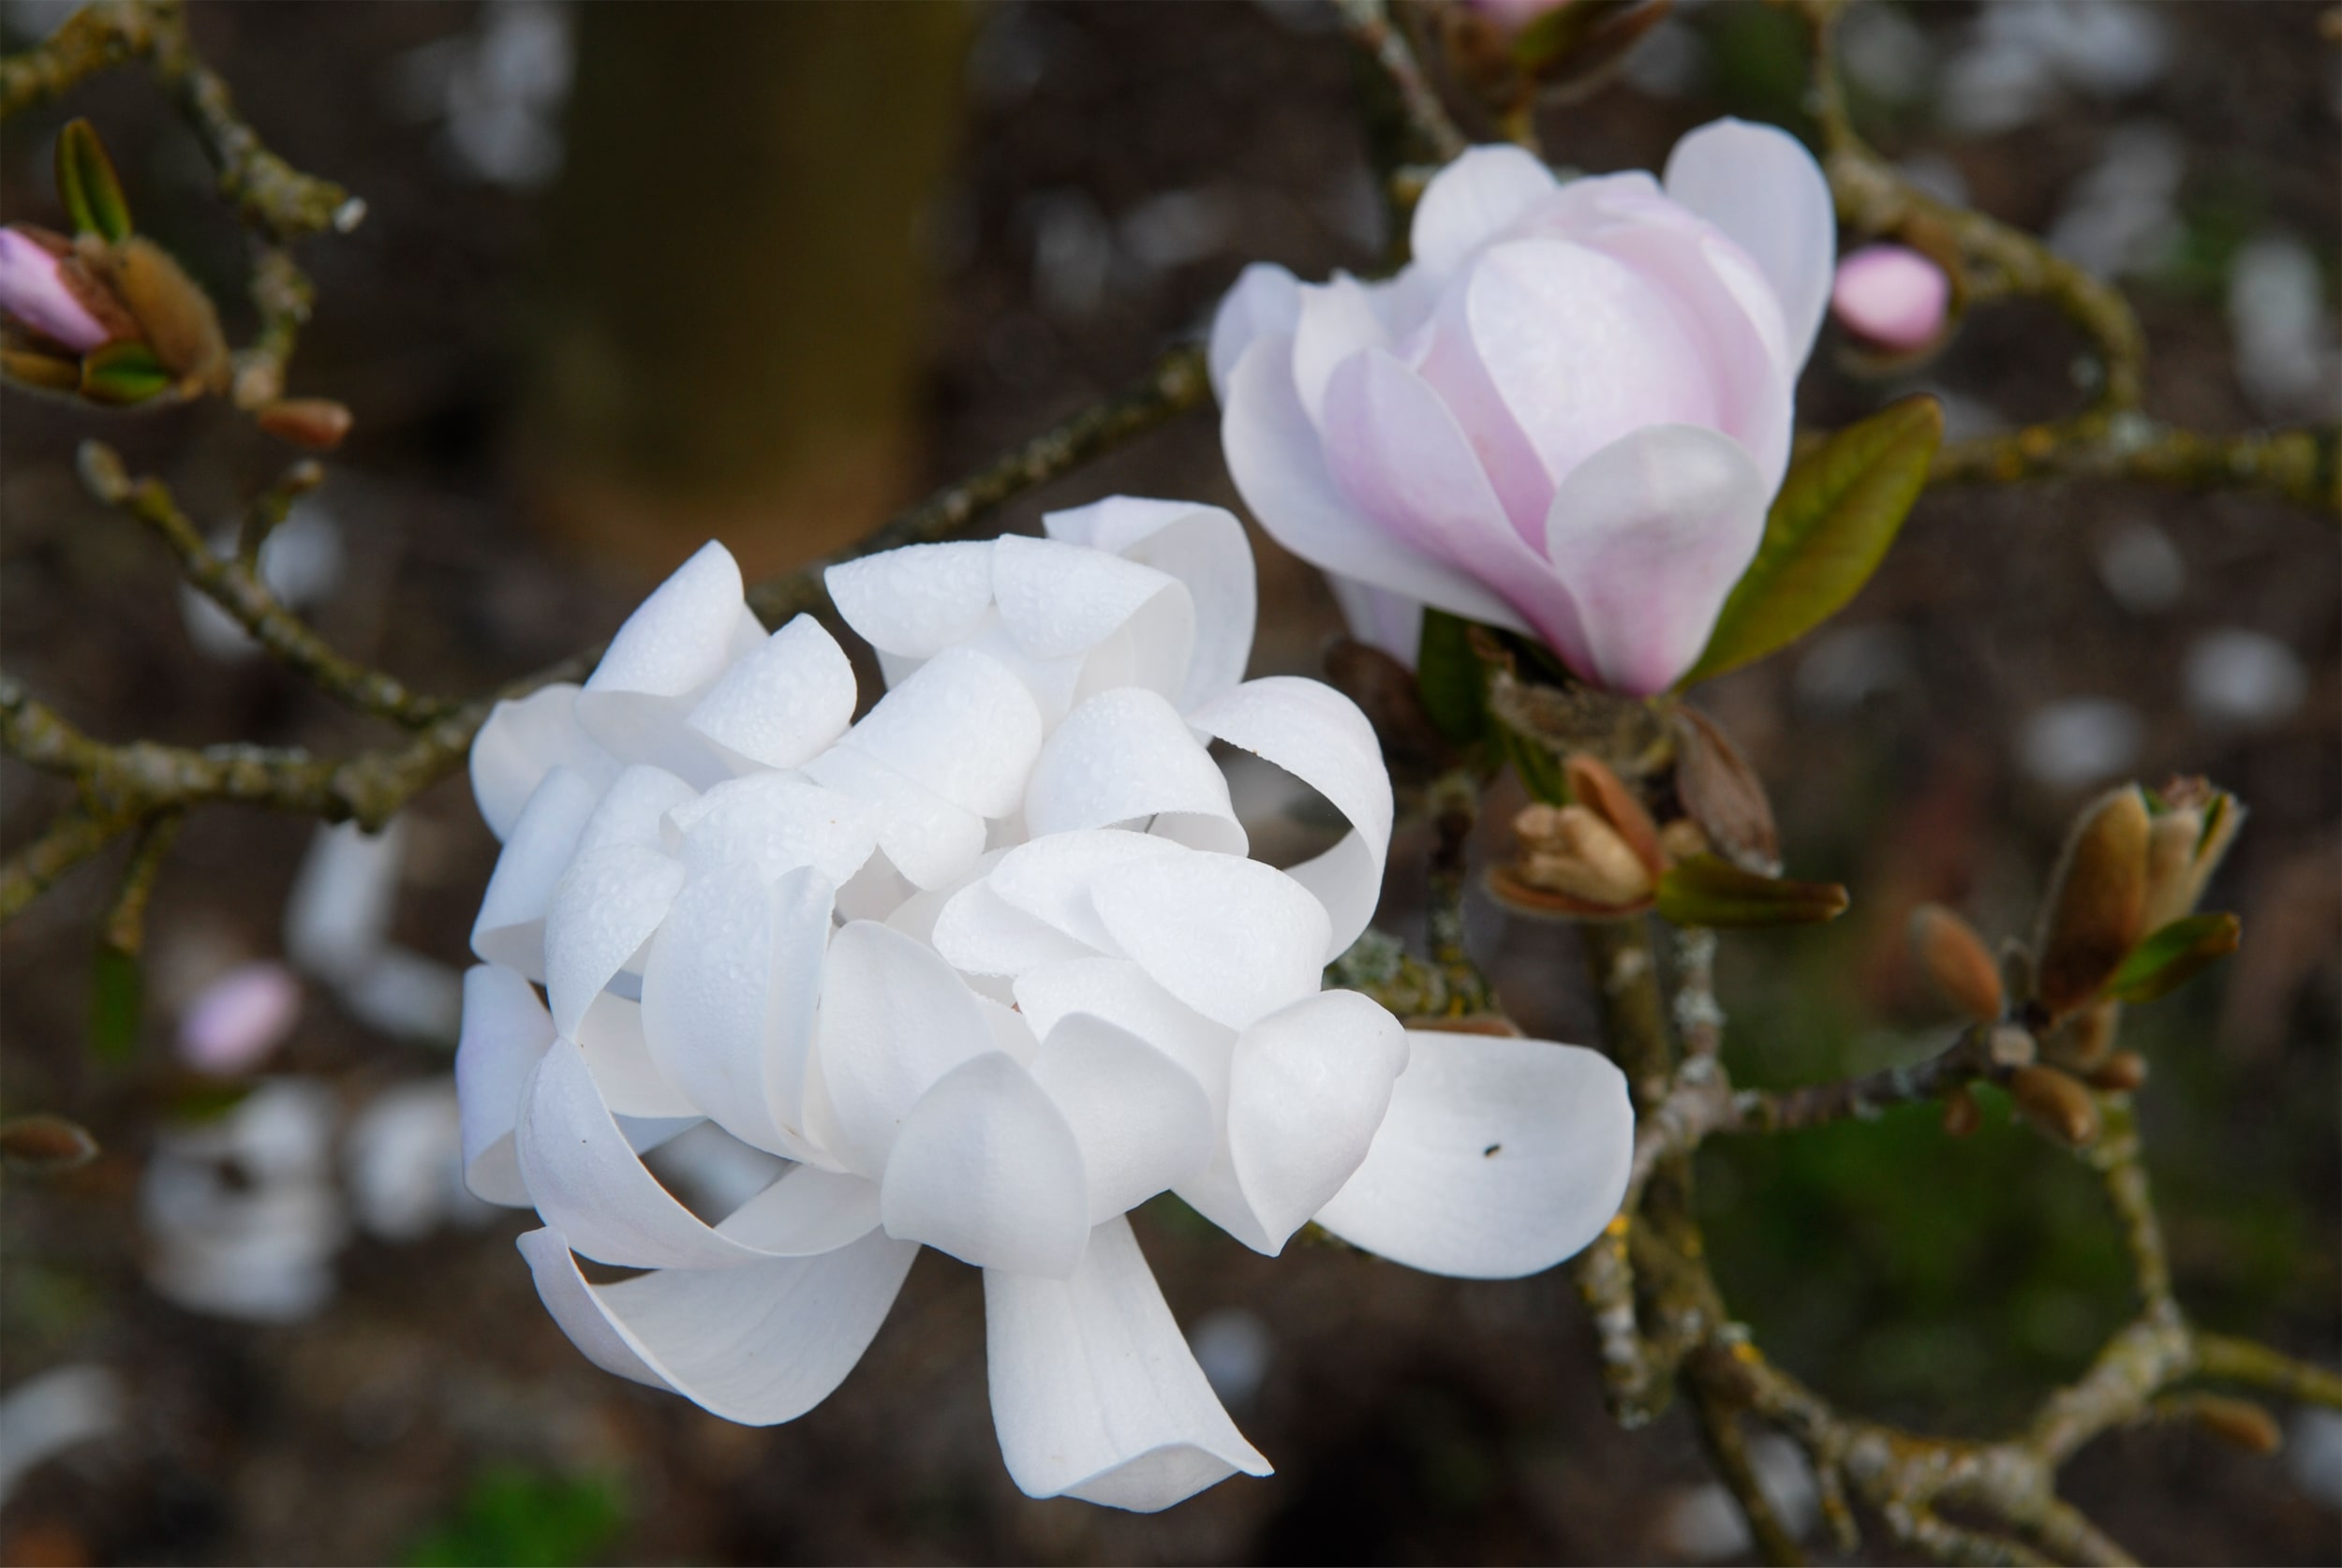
(32, 292)
(1893, 296)
(240, 1018)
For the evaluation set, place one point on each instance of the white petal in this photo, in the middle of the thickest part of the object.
(1266, 299)
(757, 1344)
(1761, 186)
(1127, 756)
(1094, 1392)
(1319, 736)
(522, 741)
(1205, 548)
(1498, 1158)
(987, 1169)
(1651, 533)
(604, 909)
(1307, 1090)
(791, 697)
(807, 1211)
(675, 643)
(1380, 618)
(918, 600)
(631, 810)
(926, 838)
(511, 929)
(1058, 599)
(337, 918)
(1473, 200)
(1277, 461)
(1232, 938)
(963, 726)
(773, 823)
(894, 1019)
(1119, 991)
(1050, 877)
(729, 993)
(506, 1029)
(1141, 1121)
(1338, 319)
(981, 934)
(590, 1186)
(630, 1082)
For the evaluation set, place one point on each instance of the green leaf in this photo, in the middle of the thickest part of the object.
(123, 374)
(1449, 674)
(1540, 770)
(117, 1004)
(1708, 891)
(2174, 955)
(1838, 510)
(514, 1516)
(87, 184)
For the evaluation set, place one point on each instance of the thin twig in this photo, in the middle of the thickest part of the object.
(1369, 23)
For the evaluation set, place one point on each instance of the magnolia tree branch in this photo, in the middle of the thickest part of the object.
(1370, 24)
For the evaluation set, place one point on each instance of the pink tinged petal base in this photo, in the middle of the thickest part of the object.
(1761, 186)
(1498, 1158)
(760, 1344)
(1307, 1090)
(1319, 736)
(1233, 939)
(895, 1020)
(32, 293)
(1141, 1121)
(506, 1029)
(1094, 1392)
(987, 1169)
(791, 698)
(1651, 533)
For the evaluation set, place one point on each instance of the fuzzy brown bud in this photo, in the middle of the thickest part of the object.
(1955, 959)
(2120, 1074)
(2055, 1103)
(2185, 844)
(45, 1144)
(2096, 908)
(1568, 849)
(1722, 794)
(175, 318)
(2249, 1426)
(318, 423)
(1593, 786)
(2080, 1039)
(1961, 1115)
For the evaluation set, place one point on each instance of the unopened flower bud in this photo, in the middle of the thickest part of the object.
(2120, 1074)
(1722, 794)
(45, 1144)
(2055, 1103)
(2242, 1422)
(1961, 1115)
(1593, 786)
(1891, 296)
(2097, 907)
(2080, 1039)
(176, 317)
(1955, 960)
(36, 294)
(318, 423)
(1568, 849)
(2185, 845)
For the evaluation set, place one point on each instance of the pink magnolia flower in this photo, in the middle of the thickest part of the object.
(1893, 296)
(32, 293)
(1566, 417)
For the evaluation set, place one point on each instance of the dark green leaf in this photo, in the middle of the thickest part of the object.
(513, 1516)
(87, 184)
(2172, 954)
(117, 1004)
(122, 372)
(1837, 513)
(1708, 891)
(1540, 769)
(1452, 679)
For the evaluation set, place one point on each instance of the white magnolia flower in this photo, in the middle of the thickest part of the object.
(989, 967)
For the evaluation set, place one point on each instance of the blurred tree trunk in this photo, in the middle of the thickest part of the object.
(734, 319)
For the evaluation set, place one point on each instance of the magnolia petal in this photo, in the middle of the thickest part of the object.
(1127, 756)
(1266, 299)
(1338, 320)
(676, 643)
(774, 823)
(1140, 1119)
(591, 1186)
(1010, 1034)
(915, 602)
(963, 726)
(1761, 186)
(604, 909)
(525, 739)
(506, 1029)
(757, 1344)
(1319, 736)
(729, 994)
(1060, 600)
(633, 809)
(894, 1019)
(981, 934)
(792, 697)
(1094, 1392)
(511, 929)
(807, 1211)
(987, 1169)
(1498, 1158)
(1232, 938)
(1205, 548)
(1050, 877)
(1380, 618)
(1307, 1090)
(1277, 459)
(1474, 200)
(1651, 533)
(1119, 991)
(628, 1079)
(924, 836)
